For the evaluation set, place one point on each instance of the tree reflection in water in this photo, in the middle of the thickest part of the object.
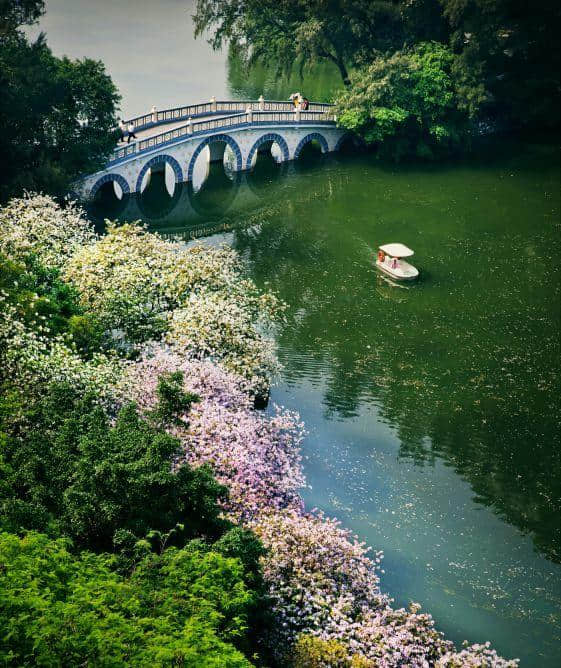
(464, 366)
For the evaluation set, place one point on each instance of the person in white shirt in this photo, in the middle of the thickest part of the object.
(131, 133)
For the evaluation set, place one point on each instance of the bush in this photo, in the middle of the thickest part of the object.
(36, 224)
(255, 455)
(184, 607)
(311, 652)
(406, 104)
(47, 305)
(69, 470)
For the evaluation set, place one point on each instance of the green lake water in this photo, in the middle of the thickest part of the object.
(432, 410)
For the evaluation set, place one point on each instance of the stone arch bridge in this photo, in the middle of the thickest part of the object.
(243, 128)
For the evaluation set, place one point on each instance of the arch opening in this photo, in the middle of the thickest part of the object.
(311, 146)
(269, 147)
(163, 170)
(349, 144)
(346, 145)
(219, 150)
(311, 149)
(269, 151)
(160, 176)
(215, 159)
(108, 197)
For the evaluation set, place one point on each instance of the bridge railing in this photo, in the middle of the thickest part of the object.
(216, 107)
(291, 117)
(170, 115)
(222, 123)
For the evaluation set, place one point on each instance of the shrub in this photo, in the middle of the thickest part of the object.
(183, 607)
(67, 467)
(311, 652)
(36, 224)
(122, 279)
(215, 326)
(255, 455)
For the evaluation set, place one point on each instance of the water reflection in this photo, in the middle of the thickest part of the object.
(217, 194)
(160, 196)
(214, 197)
(320, 82)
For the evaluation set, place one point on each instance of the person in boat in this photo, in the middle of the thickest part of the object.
(381, 256)
(395, 263)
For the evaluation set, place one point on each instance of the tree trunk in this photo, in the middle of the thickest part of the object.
(344, 74)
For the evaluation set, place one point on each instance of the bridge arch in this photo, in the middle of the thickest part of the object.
(348, 136)
(269, 137)
(156, 160)
(211, 140)
(107, 178)
(307, 139)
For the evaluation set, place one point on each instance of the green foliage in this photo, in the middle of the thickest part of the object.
(508, 59)
(68, 469)
(299, 32)
(47, 304)
(406, 104)
(181, 608)
(505, 69)
(57, 115)
(173, 402)
(15, 13)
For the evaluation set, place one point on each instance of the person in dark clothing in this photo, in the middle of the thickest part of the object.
(122, 130)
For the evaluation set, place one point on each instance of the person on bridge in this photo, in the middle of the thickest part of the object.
(131, 133)
(122, 130)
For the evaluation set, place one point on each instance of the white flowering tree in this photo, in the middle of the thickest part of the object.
(36, 224)
(136, 282)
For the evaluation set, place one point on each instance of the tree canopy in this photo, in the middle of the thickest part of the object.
(407, 104)
(57, 115)
(16, 13)
(67, 468)
(299, 32)
(184, 607)
(503, 54)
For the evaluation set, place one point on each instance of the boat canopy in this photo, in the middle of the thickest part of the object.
(396, 250)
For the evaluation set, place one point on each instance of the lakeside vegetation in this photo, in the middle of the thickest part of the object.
(149, 514)
(58, 116)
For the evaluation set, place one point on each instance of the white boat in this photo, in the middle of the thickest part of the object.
(390, 261)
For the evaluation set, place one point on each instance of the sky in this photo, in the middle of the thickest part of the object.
(148, 49)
